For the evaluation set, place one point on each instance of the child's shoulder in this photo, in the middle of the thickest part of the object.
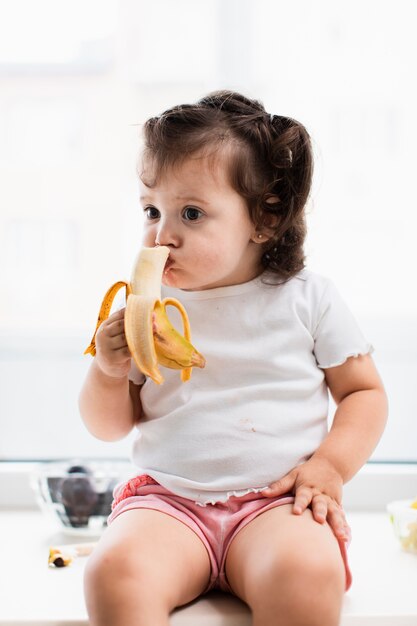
(309, 282)
(309, 290)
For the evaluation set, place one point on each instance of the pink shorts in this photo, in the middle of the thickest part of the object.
(215, 524)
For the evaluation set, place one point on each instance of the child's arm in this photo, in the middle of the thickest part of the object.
(359, 421)
(360, 418)
(109, 403)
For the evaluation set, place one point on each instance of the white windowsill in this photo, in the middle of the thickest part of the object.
(382, 594)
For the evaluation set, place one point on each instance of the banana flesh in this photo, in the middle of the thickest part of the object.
(151, 337)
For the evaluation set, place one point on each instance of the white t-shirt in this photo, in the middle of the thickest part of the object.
(260, 406)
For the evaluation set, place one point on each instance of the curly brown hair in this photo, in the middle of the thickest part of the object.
(271, 164)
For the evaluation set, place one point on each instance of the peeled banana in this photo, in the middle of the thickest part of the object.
(151, 338)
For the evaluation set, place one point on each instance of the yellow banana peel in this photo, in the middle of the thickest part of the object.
(59, 558)
(151, 338)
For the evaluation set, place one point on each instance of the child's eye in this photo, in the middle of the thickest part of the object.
(151, 213)
(192, 214)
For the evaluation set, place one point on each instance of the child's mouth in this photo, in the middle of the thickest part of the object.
(168, 265)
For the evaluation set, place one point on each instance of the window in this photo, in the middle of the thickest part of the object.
(74, 89)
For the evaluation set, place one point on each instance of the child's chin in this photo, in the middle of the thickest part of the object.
(169, 280)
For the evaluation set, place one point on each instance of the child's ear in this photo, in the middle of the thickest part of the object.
(263, 235)
(268, 229)
(258, 237)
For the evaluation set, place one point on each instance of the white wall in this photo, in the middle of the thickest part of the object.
(75, 85)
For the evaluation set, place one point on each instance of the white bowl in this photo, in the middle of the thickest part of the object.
(404, 520)
(78, 494)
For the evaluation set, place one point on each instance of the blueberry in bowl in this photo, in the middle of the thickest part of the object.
(78, 494)
(79, 498)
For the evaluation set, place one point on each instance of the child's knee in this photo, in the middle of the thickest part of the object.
(320, 571)
(298, 590)
(111, 567)
(119, 588)
(298, 576)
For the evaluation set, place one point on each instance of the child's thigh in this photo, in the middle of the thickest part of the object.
(157, 554)
(282, 553)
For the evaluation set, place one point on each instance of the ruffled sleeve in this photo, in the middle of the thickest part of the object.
(337, 335)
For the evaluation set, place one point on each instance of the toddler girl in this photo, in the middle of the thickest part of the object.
(239, 482)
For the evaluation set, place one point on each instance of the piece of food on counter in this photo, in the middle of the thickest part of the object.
(409, 542)
(57, 558)
(403, 516)
(61, 556)
(151, 338)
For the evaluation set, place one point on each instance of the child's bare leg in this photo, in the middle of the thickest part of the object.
(288, 569)
(146, 564)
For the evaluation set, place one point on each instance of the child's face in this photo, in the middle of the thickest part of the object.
(196, 213)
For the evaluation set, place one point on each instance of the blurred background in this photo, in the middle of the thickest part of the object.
(77, 80)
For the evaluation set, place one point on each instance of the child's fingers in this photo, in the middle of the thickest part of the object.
(118, 342)
(120, 354)
(281, 487)
(303, 497)
(337, 522)
(115, 328)
(113, 325)
(319, 508)
(117, 314)
(325, 509)
(111, 343)
(125, 352)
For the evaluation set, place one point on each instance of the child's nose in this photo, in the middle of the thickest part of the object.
(167, 234)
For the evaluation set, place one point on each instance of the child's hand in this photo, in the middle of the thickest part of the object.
(318, 485)
(112, 352)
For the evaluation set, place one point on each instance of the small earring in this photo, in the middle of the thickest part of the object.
(260, 236)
